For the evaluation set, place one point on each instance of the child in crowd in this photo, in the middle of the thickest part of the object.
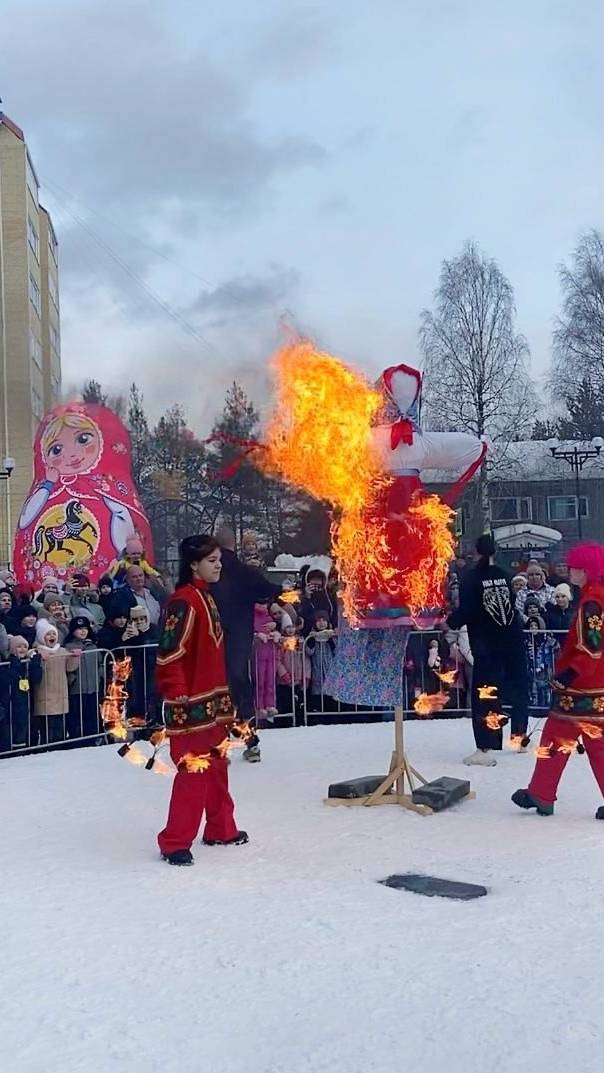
(142, 647)
(17, 677)
(266, 648)
(434, 665)
(293, 672)
(133, 555)
(6, 609)
(83, 681)
(51, 700)
(118, 631)
(321, 648)
(250, 554)
(57, 614)
(519, 583)
(23, 622)
(105, 593)
(540, 659)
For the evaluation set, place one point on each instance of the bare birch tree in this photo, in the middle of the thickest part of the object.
(578, 341)
(475, 362)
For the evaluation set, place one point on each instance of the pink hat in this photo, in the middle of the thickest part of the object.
(134, 546)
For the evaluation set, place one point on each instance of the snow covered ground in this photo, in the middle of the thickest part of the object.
(286, 955)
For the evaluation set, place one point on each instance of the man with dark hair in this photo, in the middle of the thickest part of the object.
(487, 608)
(239, 589)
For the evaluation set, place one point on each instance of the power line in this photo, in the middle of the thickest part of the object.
(175, 316)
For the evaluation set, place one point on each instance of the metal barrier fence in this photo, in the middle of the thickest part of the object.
(44, 707)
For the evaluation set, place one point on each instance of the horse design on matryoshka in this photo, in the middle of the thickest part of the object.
(83, 505)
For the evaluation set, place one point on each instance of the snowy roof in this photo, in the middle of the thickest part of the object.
(529, 460)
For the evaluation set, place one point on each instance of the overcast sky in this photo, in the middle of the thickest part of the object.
(261, 159)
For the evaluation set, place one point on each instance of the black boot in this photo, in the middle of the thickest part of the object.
(600, 813)
(180, 856)
(237, 840)
(523, 799)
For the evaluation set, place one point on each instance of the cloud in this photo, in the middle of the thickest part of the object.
(140, 119)
(246, 296)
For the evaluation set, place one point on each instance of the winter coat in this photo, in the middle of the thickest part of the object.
(111, 638)
(318, 600)
(87, 608)
(293, 666)
(141, 686)
(558, 619)
(86, 676)
(145, 599)
(17, 679)
(51, 696)
(321, 648)
(239, 589)
(545, 596)
(3, 643)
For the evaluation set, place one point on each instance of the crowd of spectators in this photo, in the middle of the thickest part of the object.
(280, 643)
(54, 648)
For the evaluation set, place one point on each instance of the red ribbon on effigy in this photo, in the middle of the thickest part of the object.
(401, 432)
(247, 448)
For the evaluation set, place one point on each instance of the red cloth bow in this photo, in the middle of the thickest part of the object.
(401, 432)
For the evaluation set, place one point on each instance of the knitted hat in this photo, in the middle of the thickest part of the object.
(14, 641)
(118, 608)
(81, 579)
(43, 628)
(51, 598)
(105, 580)
(519, 577)
(48, 581)
(563, 590)
(24, 611)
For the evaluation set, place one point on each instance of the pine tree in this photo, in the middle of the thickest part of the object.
(93, 393)
(585, 413)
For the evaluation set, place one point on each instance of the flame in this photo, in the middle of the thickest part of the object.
(493, 720)
(349, 476)
(448, 677)
(290, 643)
(427, 703)
(291, 597)
(487, 692)
(195, 763)
(543, 752)
(161, 768)
(134, 756)
(590, 730)
(516, 740)
(335, 461)
(243, 731)
(566, 745)
(113, 708)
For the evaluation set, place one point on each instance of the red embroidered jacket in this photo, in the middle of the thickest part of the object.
(579, 676)
(191, 663)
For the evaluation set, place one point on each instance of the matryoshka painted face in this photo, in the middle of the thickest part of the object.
(75, 450)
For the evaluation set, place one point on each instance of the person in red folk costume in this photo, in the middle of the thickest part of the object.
(191, 677)
(577, 709)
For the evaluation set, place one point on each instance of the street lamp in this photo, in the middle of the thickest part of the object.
(576, 457)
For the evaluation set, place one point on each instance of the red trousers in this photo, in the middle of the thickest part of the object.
(196, 792)
(548, 770)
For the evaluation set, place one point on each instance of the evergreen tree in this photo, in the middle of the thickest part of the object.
(585, 418)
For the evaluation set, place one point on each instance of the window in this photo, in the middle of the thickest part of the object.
(53, 289)
(37, 406)
(32, 237)
(55, 338)
(35, 349)
(32, 182)
(564, 508)
(52, 243)
(34, 295)
(511, 509)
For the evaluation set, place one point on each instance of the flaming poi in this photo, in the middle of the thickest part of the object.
(428, 703)
(487, 692)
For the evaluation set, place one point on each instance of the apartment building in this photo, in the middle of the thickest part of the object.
(30, 349)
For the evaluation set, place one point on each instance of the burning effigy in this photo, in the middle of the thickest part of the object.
(391, 539)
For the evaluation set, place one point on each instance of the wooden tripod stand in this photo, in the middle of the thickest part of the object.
(392, 790)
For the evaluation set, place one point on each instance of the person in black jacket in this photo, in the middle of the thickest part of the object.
(487, 608)
(18, 675)
(239, 589)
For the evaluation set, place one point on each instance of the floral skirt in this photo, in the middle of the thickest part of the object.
(368, 667)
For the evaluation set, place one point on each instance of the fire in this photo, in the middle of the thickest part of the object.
(161, 768)
(195, 763)
(430, 527)
(543, 752)
(487, 692)
(290, 643)
(567, 746)
(448, 677)
(427, 703)
(495, 721)
(134, 756)
(349, 476)
(291, 597)
(242, 731)
(113, 708)
(590, 730)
